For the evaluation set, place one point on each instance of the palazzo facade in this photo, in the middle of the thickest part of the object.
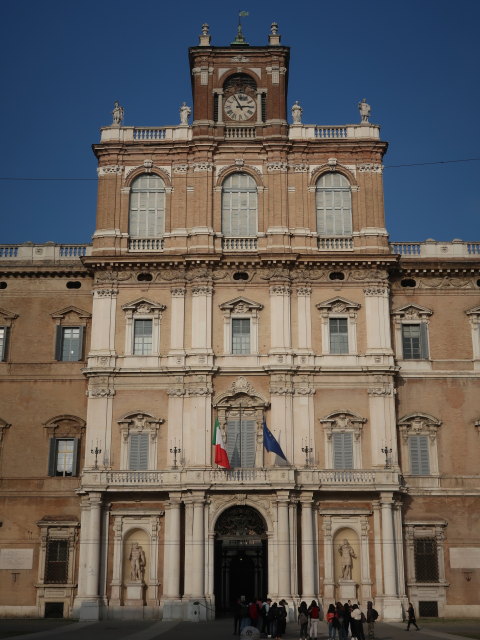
(240, 270)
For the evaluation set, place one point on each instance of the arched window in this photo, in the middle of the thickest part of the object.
(334, 205)
(239, 206)
(147, 207)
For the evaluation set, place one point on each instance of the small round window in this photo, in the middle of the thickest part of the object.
(74, 284)
(144, 277)
(337, 275)
(408, 282)
(240, 275)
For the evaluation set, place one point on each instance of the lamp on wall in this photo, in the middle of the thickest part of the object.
(307, 451)
(388, 460)
(175, 450)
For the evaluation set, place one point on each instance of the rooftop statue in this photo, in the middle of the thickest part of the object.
(297, 113)
(364, 109)
(185, 111)
(117, 113)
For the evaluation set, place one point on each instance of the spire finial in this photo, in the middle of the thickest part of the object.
(205, 36)
(274, 36)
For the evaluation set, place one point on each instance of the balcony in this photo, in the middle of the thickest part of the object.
(252, 478)
(433, 249)
(50, 252)
(339, 243)
(239, 244)
(342, 132)
(145, 245)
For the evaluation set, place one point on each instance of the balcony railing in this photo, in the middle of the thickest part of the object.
(48, 252)
(335, 244)
(347, 131)
(434, 249)
(239, 244)
(145, 245)
(239, 133)
(328, 479)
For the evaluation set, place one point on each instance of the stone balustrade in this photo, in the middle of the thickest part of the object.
(348, 131)
(48, 252)
(239, 244)
(327, 479)
(434, 249)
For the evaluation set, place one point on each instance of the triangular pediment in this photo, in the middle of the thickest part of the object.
(241, 305)
(470, 312)
(143, 305)
(337, 305)
(71, 310)
(7, 315)
(412, 311)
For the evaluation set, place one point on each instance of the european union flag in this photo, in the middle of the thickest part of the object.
(270, 442)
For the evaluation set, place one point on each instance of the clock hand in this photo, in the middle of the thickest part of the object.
(240, 105)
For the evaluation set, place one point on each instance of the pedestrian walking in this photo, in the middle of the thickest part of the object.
(372, 615)
(411, 617)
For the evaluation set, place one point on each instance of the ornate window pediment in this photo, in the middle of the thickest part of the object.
(419, 424)
(342, 421)
(143, 306)
(338, 305)
(71, 313)
(6, 317)
(65, 426)
(140, 422)
(241, 305)
(412, 312)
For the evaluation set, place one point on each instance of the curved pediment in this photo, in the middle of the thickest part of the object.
(338, 305)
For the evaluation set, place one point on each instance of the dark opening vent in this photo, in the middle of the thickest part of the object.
(428, 609)
(74, 284)
(337, 275)
(408, 282)
(144, 277)
(53, 609)
(240, 275)
(3, 285)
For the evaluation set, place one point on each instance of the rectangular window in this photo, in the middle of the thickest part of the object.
(3, 343)
(342, 450)
(241, 335)
(138, 452)
(419, 455)
(142, 337)
(241, 441)
(426, 560)
(69, 344)
(56, 565)
(63, 457)
(415, 341)
(338, 335)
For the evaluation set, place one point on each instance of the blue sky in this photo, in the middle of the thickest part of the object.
(64, 63)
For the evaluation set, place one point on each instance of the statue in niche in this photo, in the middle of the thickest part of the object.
(117, 113)
(137, 562)
(347, 554)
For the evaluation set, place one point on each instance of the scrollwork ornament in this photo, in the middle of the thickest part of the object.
(105, 293)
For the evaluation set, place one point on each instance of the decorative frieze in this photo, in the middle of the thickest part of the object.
(177, 292)
(304, 291)
(180, 168)
(376, 291)
(109, 170)
(203, 166)
(277, 166)
(299, 168)
(370, 167)
(105, 293)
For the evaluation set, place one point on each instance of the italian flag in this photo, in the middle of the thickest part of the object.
(221, 457)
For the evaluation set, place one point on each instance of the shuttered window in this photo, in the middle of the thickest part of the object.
(419, 455)
(239, 206)
(142, 337)
(241, 335)
(3, 343)
(63, 457)
(147, 207)
(69, 346)
(138, 452)
(342, 450)
(338, 335)
(415, 341)
(241, 441)
(56, 562)
(334, 205)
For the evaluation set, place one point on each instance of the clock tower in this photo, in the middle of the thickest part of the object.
(239, 91)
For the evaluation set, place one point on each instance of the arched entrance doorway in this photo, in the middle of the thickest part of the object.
(240, 556)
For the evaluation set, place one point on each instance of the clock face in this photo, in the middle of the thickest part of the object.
(239, 106)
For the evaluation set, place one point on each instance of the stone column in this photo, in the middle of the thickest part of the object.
(283, 541)
(88, 605)
(198, 557)
(382, 422)
(83, 546)
(308, 548)
(293, 527)
(280, 325)
(202, 318)
(117, 563)
(329, 577)
(377, 535)
(388, 545)
(187, 566)
(397, 528)
(304, 318)
(176, 352)
(171, 561)
(366, 583)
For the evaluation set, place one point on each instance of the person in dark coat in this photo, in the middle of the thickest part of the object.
(411, 617)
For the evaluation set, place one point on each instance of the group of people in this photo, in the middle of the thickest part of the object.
(340, 618)
(270, 618)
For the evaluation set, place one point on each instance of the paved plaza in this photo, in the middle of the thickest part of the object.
(217, 630)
